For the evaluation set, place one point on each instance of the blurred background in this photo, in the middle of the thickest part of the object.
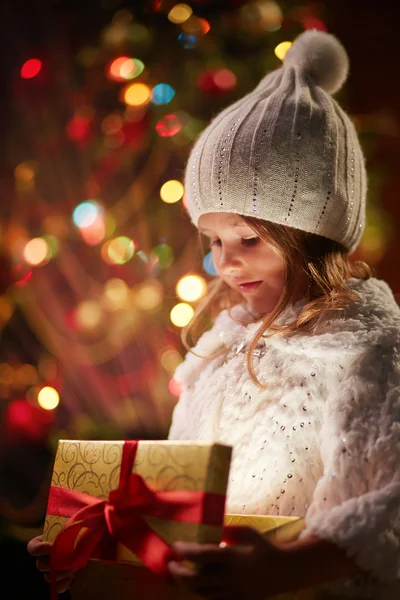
(99, 265)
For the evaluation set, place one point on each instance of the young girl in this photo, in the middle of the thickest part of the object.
(299, 372)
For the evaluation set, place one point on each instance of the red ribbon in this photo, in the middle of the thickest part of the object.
(95, 526)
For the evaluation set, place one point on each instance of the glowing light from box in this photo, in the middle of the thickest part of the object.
(88, 315)
(86, 213)
(36, 251)
(31, 68)
(179, 13)
(137, 94)
(208, 264)
(48, 398)
(168, 126)
(281, 49)
(116, 292)
(181, 314)
(120, 250)
(172, 191)
(148, 295)
(191, 287)
(162, 93)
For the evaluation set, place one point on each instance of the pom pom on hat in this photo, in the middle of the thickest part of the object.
(322, 57)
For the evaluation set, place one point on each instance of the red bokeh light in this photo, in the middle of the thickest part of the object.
(31, 68)
(24, 420)
(168, 126)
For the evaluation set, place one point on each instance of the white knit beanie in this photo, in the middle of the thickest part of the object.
(286, 152)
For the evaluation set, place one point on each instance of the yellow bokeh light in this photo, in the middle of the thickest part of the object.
(170, 359)
(88, 315)
(281, 49)
(26, 375)
(24, 172)
(36, 251)
(181, 314)
(48, 398)
(148, 295)
(179, 13)
(6, 310)
(116, 293)
(120, 250)
(191, 288)
(137, 94)
(6, 374)
(172, 191)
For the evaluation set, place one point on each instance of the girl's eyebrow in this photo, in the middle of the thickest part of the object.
(233, 224)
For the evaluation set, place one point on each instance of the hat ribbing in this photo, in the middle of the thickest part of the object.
(286, 152)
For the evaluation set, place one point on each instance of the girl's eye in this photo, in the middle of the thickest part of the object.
(215, 242)
(250, 241)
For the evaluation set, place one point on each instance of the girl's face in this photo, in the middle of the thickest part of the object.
(246, 263)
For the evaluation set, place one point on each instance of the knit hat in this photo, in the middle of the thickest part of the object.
(286, 152)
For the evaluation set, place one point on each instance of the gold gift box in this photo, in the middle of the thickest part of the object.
(94, 468)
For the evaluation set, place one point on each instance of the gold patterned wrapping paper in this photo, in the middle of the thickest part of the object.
(94, 468)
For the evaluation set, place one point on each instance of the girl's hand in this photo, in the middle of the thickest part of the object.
(37, 547)
(253, 569)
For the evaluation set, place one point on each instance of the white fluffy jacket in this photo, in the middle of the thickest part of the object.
(323, 441)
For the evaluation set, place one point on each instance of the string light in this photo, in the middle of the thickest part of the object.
(48, 398)
(120, 250)
(191, 287)
(208, 264)
(172, 191)
(88, 315)
(168, 126)
(162, 93)
(148, 295)
(181, 314)
(281, 49)
(116, 293)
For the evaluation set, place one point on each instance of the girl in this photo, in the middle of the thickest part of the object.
(299, 372)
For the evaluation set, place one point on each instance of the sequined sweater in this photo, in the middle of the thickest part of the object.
(323, 440)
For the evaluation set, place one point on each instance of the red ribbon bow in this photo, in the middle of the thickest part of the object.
(95, 526)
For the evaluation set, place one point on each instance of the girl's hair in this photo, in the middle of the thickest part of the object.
(327, 267)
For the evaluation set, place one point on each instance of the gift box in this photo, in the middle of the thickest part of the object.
(88, 475)
(149, 493)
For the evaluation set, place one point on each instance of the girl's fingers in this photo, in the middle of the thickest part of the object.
(62, 584)
(43, 564)
(37, 547)
(203, 553)
(60, 576)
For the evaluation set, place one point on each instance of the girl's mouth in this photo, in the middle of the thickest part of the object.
(249, 287)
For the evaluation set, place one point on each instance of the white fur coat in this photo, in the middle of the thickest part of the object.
(323, 441)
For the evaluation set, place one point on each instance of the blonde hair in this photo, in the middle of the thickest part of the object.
(327, 267)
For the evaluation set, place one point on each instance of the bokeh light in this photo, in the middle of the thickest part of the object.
(281, 49)
(120, 250)
(196, 26)
(225, 79)
(191, 287)
(86, 213)
(170, 359)
(208, 264)
(24, 172)
(187, 40)
(31, 68)
(179, 13)
(162, 255)
(181, 314)
(136, 94)
(168, 126)
(88, 315)
(148, 295)
(47, 368)
(172, 191)
(116, 293)
(36, 251)
(162, 93)
(6, 310)
(124, 68)
(175, 387)
(48, 398)
(112, 124)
